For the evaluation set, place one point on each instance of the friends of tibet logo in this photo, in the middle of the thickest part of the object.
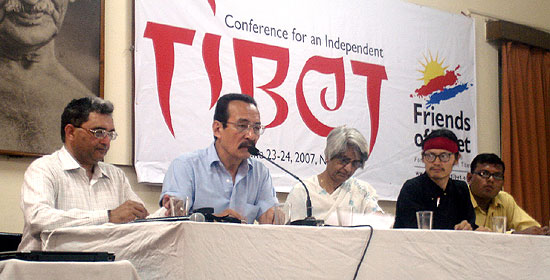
(440, 84)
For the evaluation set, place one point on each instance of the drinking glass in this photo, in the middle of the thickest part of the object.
(178, 206)
(345, 216)
(499, 224)
(424, 219)
(281, 214)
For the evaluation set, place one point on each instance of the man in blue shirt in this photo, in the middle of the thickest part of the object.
(223, 176)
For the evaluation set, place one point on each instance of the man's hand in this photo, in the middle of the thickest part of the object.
(534, 230)
(268, 217)
(166, 201)
(482, 228)
(231, 213)
(127, 212)
(464, 225)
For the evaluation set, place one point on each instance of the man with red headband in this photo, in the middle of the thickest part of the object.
(434, 190)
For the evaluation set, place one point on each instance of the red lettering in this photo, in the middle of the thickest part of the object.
(211, 58)
(375, 74)
(244, 51)
(325, 66)
(212, 5)
(164, 37)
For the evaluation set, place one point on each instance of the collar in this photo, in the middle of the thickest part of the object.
(435, 187)
(212, 157)
(68, 162)
(473, 199)
(495, 202)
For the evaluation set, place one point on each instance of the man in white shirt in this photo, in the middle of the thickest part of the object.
(72, 187)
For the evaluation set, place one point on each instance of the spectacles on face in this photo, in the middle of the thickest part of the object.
(258, 129)
(486, 175)
(101, 133)
(443, 157)
(345, 161)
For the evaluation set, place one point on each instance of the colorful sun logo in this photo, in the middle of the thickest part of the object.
(439, 83)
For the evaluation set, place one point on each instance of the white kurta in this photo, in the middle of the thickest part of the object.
(353, 192)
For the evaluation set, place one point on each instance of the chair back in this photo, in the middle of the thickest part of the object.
(9, 241)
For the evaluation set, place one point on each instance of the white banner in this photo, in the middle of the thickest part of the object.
(393, 70)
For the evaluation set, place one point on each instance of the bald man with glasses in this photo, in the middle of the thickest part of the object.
(223, 176)
(72, 186)
(434, 190)
(486, 180)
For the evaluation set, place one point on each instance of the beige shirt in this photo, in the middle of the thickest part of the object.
(503, 205)
(57, 193)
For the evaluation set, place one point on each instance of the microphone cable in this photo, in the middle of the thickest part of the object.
(364, 251)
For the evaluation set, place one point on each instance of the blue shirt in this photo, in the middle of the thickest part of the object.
(201, 176)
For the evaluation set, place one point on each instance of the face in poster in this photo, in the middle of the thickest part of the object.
(49, 55)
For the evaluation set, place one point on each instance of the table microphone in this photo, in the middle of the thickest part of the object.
(197, 217)
(309, 220)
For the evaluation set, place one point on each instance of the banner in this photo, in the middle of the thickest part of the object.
(393, 70)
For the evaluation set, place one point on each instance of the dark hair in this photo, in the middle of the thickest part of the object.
(78, 111)
(487, 159)
(221, 114)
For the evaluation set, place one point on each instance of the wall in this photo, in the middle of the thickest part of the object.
(118, 89)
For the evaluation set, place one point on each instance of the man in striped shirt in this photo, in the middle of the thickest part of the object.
(72, 186)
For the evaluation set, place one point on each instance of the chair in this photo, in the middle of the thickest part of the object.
(9, 241)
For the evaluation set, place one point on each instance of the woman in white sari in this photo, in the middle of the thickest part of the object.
(346, 151)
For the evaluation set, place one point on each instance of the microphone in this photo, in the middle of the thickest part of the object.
(197, 217)
(309, 220)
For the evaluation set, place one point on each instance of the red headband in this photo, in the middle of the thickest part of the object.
(441, 143)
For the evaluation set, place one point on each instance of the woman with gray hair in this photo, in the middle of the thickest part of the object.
(346, 151)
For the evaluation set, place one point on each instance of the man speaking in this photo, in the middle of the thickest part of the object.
(223, 176)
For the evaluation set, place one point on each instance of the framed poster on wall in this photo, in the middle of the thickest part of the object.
(50, 53)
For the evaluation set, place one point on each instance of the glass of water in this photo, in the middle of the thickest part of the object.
(499, 224)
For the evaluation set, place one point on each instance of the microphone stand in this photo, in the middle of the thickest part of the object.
(309, 220)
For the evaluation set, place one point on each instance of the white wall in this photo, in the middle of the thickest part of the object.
(118, 89)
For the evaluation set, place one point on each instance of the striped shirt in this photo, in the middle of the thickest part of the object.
(57, 193)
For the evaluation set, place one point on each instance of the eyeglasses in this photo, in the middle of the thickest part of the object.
(443, 157)
(486, 175)
(258, 129)
(101, 133)
(345, 161)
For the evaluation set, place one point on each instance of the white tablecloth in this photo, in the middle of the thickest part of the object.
(27, 270)
(187, 250)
